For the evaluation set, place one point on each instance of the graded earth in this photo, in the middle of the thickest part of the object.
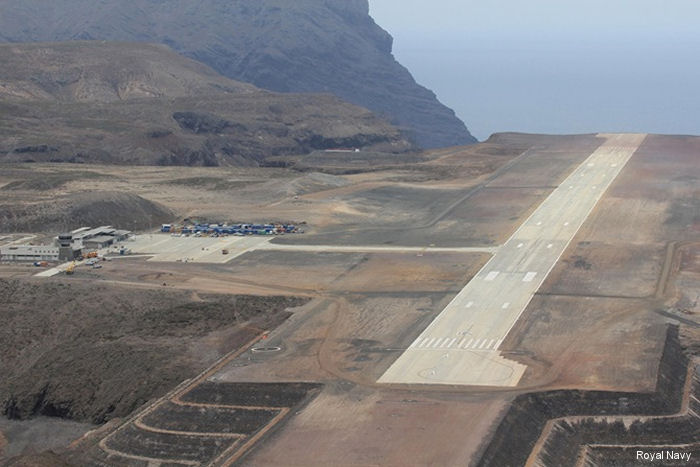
(604, 335)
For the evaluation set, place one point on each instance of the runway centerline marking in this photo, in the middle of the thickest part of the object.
(483, 364)
(529, 276)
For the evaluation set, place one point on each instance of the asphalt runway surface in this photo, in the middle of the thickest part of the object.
(461, 346)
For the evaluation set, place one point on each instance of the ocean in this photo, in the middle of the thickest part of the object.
(594, 84)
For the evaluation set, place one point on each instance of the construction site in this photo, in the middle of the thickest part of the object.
(530, 300)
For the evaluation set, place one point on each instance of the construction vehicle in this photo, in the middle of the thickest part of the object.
(91, 254)
(70, 270)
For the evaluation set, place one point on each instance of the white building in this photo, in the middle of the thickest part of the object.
(28, 253)
(72, 243)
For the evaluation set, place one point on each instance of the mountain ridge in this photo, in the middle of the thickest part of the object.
(329, 46)
(136, 103)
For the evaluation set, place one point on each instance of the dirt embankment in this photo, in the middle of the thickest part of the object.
(95, 352)
(68, 212)
(520, 429)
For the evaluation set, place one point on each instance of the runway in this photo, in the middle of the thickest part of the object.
(373, 249)
(461, 346)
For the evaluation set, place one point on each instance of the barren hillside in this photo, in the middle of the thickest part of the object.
(145, 104)
(329, 46)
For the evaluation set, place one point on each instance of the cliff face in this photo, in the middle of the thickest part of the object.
(329, 46)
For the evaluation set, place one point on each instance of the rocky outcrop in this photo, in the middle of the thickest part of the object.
(75, 359)
(329, 46)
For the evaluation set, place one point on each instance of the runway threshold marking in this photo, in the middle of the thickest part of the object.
(481, 363)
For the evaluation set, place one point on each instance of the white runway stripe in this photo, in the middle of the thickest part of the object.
(529, 276)
(492, 275)
(524, 269)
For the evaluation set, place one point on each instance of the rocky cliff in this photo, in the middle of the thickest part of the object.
(329, 46)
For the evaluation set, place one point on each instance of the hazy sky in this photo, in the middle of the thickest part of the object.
(554, 65)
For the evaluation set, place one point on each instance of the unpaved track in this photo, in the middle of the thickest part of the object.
(232, 453)
(685, 410)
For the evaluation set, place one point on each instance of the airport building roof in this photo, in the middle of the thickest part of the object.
(100, 239)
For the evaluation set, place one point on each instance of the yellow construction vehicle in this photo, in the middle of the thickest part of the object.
(70, 270)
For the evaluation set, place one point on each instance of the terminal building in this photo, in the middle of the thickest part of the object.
(30, 253)
(68, 246)
(72, 244)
